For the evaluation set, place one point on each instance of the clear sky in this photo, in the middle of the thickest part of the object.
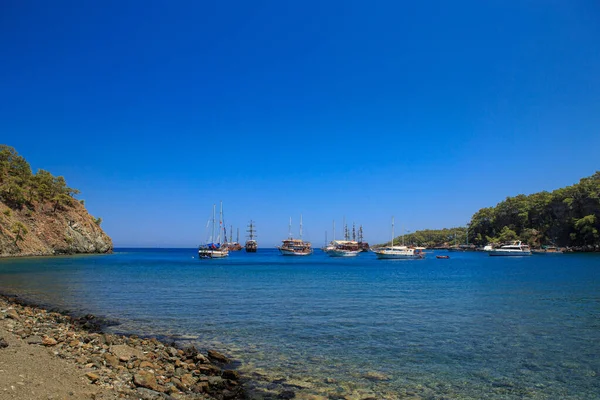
(425, 110)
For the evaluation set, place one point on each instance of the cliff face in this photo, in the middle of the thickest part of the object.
(43, 229)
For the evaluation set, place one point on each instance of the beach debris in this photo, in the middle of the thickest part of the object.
(3, 343)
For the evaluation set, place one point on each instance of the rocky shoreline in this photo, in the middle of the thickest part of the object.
(129, 367)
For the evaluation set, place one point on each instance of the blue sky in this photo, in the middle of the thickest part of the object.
(426, 111)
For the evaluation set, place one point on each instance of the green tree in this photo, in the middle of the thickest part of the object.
(60, 200)
(507, 235)
(586, 231)
(19, 230)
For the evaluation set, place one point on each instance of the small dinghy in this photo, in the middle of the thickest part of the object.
(442, 256)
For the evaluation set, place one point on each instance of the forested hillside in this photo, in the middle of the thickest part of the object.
(39, 214)
(566, 217)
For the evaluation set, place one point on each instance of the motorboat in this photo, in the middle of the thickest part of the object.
(516, 248)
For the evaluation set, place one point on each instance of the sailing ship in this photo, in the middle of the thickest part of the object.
(364, 246)
(231, 245)
(295, 247)
(343, 248)
(214, 247)
(399, 252)
(251, 244)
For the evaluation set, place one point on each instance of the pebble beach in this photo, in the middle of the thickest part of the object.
(50, 355)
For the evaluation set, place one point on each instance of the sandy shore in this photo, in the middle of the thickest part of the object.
(47, 355)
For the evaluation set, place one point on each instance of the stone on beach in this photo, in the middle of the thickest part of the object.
(126, 366)
(12, 314)
(146, 379)
(125, 352)
(49, 341)
(92, 376)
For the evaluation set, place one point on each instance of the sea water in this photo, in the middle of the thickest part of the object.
(468, 327)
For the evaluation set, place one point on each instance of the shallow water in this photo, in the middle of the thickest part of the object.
(469, 327)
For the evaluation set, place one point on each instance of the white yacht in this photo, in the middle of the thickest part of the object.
(399, 252)
(516, 248)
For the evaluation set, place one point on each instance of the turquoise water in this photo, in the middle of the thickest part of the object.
(470, 327)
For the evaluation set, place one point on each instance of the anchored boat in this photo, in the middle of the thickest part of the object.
(514, 249)
(399, 252)
(214, 247)
(295, 247)
(251, 243)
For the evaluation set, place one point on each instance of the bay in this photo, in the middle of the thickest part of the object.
(469, 327)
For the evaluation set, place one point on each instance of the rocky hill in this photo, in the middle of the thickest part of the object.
(39, 214)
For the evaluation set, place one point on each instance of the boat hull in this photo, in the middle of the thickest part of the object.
(508, 253)
(342, 253)
(209, 253)
(288, 252)
(399, 255)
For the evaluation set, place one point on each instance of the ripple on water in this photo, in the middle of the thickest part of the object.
(472, 327)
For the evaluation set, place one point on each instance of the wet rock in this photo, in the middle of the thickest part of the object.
(3, 343)
(215, 355)
(172, 351)
(376, 376)
(286, 395)
(145, 379)
(201, 358)
(208, 369)
(200, 387)
(231, 374)
(229, 394)
(216, 382)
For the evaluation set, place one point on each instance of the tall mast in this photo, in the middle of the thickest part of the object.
(238, 235)
(221, 226)
(392, 231)
(230, 233)
(251, 230)
(334, 230)
(300, 226)
(212, 238)
(290, 229)
(354, 231)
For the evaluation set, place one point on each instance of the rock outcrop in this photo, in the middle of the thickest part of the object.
(41, 229)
